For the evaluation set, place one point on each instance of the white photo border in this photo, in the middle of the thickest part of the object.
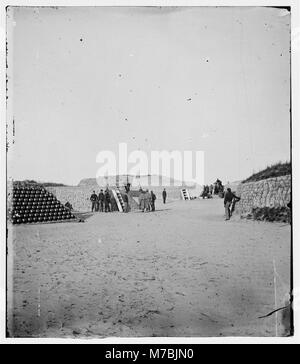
(295, 82)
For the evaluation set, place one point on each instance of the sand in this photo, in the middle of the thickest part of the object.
(180, 271)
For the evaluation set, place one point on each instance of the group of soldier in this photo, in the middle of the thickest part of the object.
(101, 202)
(207, 191)
(214, 189)
(147, 200)
(218, 188)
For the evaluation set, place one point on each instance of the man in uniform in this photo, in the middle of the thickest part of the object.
(126, 202)
(101, 200)
(94, 199)
(228, 198)
(107, 201)
(147, 202)
(153, 198)
(164, 195)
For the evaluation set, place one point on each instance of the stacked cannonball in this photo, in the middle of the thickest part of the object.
(34, 204)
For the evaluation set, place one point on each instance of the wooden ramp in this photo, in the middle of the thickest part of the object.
(119, 200)
(185, 194)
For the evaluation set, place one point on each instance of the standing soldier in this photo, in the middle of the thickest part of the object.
(101, 200)
(127, 187)
(216, 191)
(142, 200)
(126, 202)
(164, 195)
(147, 202)
(94, 199)
(107, 201)
(97, 204)
(228, 198)
(153, 198)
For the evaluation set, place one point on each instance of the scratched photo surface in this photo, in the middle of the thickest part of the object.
(187, 260)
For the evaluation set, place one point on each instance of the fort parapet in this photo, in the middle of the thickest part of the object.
(264, 197)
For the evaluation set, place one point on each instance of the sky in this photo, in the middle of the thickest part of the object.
(84, 79)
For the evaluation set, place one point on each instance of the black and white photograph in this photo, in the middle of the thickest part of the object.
(149, 172)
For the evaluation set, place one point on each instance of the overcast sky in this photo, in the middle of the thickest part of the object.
(86, 79)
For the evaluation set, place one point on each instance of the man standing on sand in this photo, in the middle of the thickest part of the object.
(153, 198)
(101, 200)
(140, 198)
(126, 202)
(164, 195)
(107, 201)
(228, 198)
(94, 199)
(97, 204)
(147, 198)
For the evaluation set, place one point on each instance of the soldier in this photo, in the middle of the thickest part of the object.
(126, 202)
(101, 200)
(127, 187)
(153, 198)
(68, 205)
(147, 203)
(216, 189)
(141, 199)
(94, 199)
(164, 195)
(107, 201)
(205, 192)
(228, 198)
(97, 204)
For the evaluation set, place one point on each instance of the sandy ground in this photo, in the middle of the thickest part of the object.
(181, 271)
